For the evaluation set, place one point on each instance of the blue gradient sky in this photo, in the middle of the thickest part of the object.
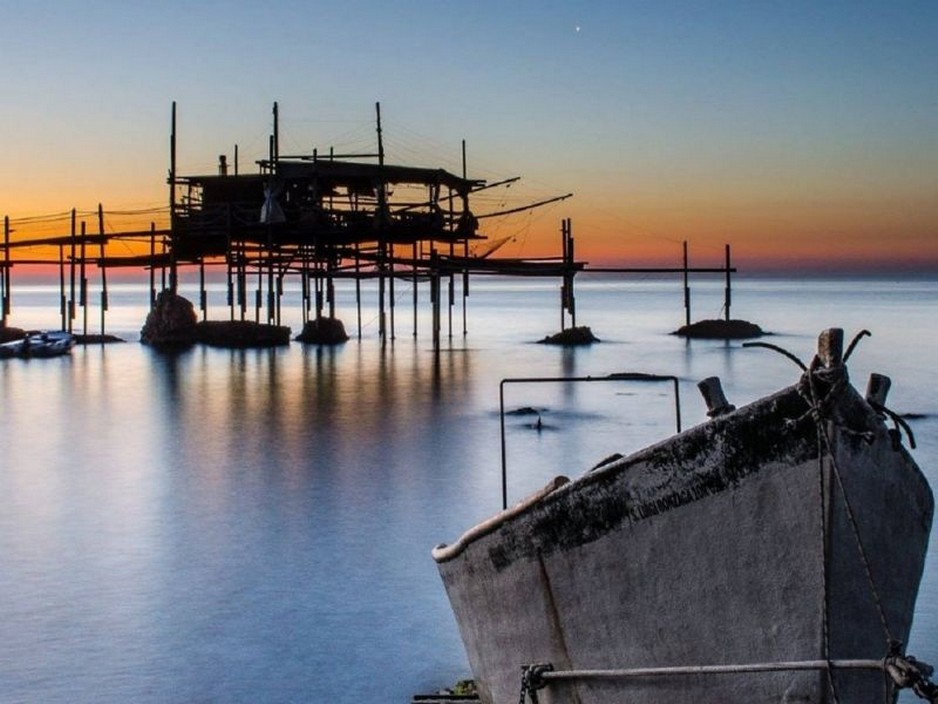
(800, 132)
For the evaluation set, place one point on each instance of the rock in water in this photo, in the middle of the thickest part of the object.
(323, 331)
(172, 322)
(720, 330)
(571, 337)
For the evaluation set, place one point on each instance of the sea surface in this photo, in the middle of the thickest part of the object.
(256, 525)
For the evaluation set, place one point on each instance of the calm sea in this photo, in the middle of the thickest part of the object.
(256, 526)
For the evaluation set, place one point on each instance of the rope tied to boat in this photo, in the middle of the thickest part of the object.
(908, 673)
(821, 385)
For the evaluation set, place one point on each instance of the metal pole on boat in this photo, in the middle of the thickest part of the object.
(501, 416)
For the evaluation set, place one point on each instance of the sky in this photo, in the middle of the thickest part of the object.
(802, 133)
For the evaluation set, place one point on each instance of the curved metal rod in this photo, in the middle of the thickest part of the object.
(897, 420)
(775, 348)
(855, 341)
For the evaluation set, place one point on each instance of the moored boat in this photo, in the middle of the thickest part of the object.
(52, 343)
(770, 554)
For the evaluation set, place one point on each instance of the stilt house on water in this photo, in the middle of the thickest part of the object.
(335, 216)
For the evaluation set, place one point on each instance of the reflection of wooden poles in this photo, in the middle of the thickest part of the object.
(414, 272)
(391, 301)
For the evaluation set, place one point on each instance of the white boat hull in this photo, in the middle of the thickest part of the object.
(725, 545)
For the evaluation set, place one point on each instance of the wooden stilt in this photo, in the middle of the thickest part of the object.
(104, 301)
(727, 296)
(71, 271)
(686, 288)
(152, 265)
(5, 278)
(63, 309)
(83, 283)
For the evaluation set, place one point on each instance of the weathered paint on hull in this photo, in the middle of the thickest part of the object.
(707, 549)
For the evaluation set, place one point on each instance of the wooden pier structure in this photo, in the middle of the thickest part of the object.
(318, 218)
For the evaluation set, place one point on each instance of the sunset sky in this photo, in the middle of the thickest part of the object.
(803, 133)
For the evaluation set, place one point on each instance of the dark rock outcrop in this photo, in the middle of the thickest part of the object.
(571, 337)
(323, 331)
(171, 323)
(720, 330)
(8, 334)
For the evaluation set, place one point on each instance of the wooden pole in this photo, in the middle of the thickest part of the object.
(173, 274)
(104, 302)
(686, 288)
(465, 245)
(571, 296)
(728, 292)
(563, 282)
(358, 289)
(275, 153)
(62, 298)
(435, 296)
(152, 265)
(203, 295)
(71, 273)
(83, 290)
(5, 279)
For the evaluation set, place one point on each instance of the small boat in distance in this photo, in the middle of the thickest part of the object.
(770, 554)
(51, 343)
